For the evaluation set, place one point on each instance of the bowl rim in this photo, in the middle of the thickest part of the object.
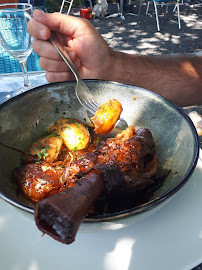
(134, 210)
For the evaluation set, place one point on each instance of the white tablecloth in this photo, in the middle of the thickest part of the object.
(12, 81)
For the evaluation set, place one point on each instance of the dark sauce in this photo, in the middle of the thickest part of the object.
(120, 201)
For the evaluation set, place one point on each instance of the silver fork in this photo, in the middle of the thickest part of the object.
(83, 93)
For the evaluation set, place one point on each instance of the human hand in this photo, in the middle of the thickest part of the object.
(87, 50)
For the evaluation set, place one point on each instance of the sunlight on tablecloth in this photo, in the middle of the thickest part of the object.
(11, 82)
(120, 257)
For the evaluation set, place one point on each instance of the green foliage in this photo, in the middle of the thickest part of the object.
(53, 5)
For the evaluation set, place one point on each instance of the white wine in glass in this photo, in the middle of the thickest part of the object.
(15, 38)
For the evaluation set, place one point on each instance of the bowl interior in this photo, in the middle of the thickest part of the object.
(25, 117)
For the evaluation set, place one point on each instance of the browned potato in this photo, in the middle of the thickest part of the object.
(47, 148)
(73, 133)
(106, 116)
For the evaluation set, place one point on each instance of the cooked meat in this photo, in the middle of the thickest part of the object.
(60, 215)
(106, 177)
(39, 180)
(132, 152)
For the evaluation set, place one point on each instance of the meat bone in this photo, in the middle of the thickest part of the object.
(60, 215)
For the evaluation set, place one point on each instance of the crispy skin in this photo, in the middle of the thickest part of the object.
(39, 180)
(60, 215)
(131, 150)
(134, 152)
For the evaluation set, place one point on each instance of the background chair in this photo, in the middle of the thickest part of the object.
(70, 2)
(64, 2)
(8, 64)
(140, 6)
(39, 4)
(181, 2)
(164, 3)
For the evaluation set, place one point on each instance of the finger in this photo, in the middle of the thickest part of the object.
(59, 76)
(38, 30)
(45, 49)
(48, 64)
(53, 65)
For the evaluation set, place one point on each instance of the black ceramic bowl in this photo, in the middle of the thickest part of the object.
(25, 117)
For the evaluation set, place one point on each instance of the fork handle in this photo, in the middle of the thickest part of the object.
(56, 43)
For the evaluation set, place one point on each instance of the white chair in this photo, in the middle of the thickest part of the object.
(66, 2)
(140, 6)
(162, 3)
(180, 3)
(120, 7)
(70, 2)
(37, 4)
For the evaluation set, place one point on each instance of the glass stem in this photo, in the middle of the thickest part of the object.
(23, 65)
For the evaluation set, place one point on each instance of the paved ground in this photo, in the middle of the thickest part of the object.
(138, 34)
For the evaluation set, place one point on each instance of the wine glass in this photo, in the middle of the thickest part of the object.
(15, 38)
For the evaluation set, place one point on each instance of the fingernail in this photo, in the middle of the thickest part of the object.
(42, 33)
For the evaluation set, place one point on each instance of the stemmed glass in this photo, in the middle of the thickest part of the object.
(15, 38)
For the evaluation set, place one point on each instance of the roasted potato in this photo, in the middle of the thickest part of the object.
(106, 116)
(47, 148)
(73, 133)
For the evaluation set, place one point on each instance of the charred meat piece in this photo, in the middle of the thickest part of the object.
(60, 215)
(132, 151)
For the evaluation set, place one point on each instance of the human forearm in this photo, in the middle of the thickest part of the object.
(177, 78)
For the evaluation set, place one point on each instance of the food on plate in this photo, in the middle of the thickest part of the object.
(74, 134)
(38, 180)
(81, 173)
(62, 220)
(47, 148)
(106, 116)
(122, 166)
(133, 151)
